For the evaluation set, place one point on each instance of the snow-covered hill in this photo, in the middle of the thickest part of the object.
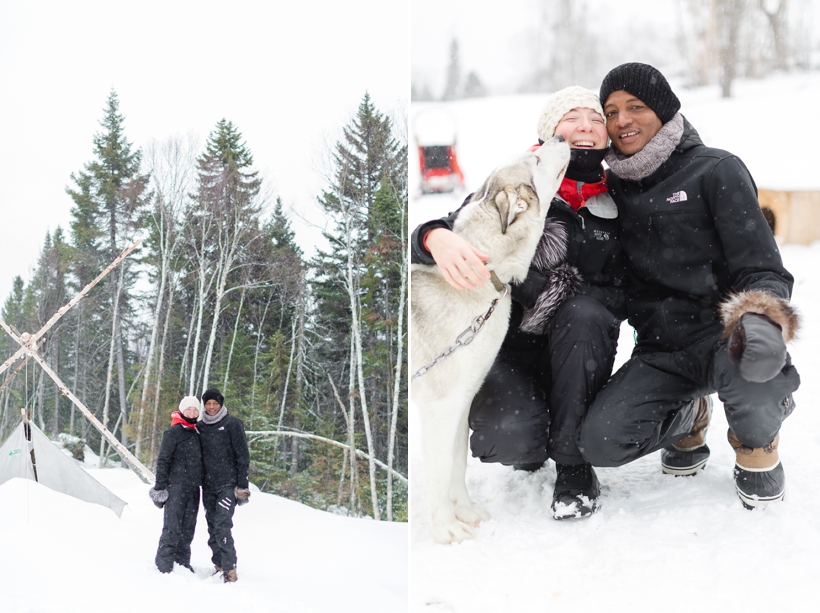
(61, 555)
(659, 543)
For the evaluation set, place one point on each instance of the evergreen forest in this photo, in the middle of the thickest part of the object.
(309, 351)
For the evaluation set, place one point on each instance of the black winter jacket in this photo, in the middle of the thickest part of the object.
(224, 453)
(592, 247)
(180, 458)
(692, 233)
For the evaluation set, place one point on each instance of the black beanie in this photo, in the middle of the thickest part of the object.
(213, 394)
(645, 82)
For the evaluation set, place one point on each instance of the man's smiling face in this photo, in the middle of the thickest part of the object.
(629, 122)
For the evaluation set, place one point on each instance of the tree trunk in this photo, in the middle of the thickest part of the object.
(357, 343)
(397, 381)
(233, 341)
(160, 370)
(109, 371)
(121, 381)
(149, 358)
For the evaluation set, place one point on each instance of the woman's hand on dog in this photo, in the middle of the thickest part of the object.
(461, 264)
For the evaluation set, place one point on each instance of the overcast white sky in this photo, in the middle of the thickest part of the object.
(289, 75)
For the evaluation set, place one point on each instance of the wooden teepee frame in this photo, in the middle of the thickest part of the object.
(29, 345)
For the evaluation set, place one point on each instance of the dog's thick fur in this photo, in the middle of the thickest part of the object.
(504, 219)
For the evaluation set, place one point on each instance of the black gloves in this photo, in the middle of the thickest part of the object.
(158, 497)
(757, 345)
(526, 293)
(242, 495)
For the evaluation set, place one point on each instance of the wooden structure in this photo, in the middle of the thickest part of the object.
(29, 346)
(795, 215)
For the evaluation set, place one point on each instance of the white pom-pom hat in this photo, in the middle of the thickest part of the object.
(190, 401)
(561, 103)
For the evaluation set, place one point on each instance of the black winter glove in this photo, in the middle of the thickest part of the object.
(757, 345)
(158, 497)
(526, 293)
(242, 495)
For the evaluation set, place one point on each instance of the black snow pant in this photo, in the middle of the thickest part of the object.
(531, 404)
(178, 527)
(648, 404)
(219, 506)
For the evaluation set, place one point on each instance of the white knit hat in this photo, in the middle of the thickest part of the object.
(561, 103)
(190, 401)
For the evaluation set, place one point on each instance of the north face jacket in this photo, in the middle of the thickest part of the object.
(592, 247)
(692, 233)
(225, 453)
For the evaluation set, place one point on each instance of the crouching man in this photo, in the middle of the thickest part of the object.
(225, 460)
(178, 477)
(707, 294)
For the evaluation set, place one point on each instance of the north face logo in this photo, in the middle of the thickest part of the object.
(600, 235)
(677, 197)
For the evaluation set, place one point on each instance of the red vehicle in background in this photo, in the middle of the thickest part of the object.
(435, 136)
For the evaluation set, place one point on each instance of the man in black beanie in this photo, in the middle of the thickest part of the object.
(707, 295)
(225, 459)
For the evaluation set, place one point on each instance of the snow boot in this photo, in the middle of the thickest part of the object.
(688, 455)
(217, 570)
(759, 475)
(229, 576)
(576, 491)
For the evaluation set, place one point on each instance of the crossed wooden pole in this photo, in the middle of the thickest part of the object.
(29, 345)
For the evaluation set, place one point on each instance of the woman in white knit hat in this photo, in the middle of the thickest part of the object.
(178, 479)
(555, 357)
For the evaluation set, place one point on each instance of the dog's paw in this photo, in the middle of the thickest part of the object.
(471, 513)
(452, 531)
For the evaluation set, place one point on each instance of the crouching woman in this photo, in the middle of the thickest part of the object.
(178, 478)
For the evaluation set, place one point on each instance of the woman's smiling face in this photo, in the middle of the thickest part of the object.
(583, 128)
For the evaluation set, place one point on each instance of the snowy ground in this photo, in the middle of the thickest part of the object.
(62, 555)
(659, 542)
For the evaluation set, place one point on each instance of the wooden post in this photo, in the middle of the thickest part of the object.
(142, 472)
(28, 346)
(64, 309)
(27, 432)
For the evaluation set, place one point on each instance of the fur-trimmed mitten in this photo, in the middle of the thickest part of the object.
(563, 282)
(561, 279)
(242, 495)
(758, 326)
(158, 497)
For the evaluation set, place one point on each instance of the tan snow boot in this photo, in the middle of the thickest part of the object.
(688, 455)
(759, 475)
(697, 436)
(229, 576)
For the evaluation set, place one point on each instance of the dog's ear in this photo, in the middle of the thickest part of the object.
(509, 204)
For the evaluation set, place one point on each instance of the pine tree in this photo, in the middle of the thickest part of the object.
(107, 199)
(225, 218)
(367, 157)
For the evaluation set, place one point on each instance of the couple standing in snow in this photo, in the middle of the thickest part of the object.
(671, 238)
(212, 453)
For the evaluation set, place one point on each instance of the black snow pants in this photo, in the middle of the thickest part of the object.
(179, 523)
(219, 507)
(647, 404)
(531, 404)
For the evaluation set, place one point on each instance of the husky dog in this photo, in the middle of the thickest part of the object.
(504, 219)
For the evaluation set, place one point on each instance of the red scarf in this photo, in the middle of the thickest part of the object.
(177, 418)
(577, 198)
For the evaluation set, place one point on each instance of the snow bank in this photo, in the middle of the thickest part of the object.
(62, 555)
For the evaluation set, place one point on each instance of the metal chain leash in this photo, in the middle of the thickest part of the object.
(467, 337)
